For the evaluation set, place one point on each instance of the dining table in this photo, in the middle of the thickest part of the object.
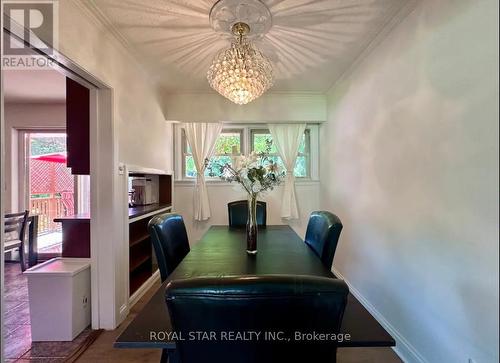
(222, 252)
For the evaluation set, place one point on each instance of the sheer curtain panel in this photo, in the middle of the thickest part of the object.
(287, 138)
(201, 138)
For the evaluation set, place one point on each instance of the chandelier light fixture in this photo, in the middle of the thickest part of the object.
(241, 73)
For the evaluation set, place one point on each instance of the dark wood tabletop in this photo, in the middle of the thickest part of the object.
(221, 252)
(140, 210)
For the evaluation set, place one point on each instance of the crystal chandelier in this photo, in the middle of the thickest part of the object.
(240, 73)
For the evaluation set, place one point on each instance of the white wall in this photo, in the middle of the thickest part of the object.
(410, 164)
(270, 107)
(222, 193)
(141, 134)
(144, 138)
(25, 116)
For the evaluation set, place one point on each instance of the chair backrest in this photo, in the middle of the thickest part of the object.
(322, 235)
(276, 307)
(15, 225)
(238, 213)
(170, 241)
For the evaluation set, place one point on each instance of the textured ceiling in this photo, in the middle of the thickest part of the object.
(311, 42)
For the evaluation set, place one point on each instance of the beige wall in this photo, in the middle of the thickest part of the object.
(410, 164)
(25, 116)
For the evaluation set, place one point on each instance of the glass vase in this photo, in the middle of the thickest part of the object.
(252, 224)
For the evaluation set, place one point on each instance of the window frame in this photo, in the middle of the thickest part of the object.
(307, 132)
(246, 144)
(184, 148)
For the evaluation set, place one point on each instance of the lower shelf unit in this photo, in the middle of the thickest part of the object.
(142, 262)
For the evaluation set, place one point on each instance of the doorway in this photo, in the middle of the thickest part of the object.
(106, 224)
(51, 190)
(49, 187)
(41, 183)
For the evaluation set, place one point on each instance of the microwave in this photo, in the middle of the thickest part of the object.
(142, 191)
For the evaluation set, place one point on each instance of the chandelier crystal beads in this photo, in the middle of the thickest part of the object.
(241, 73)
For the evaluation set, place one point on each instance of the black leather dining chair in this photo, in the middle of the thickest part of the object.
(322, 235)
(15, 234)
(170, 241)
(238, 213)
(276, 306)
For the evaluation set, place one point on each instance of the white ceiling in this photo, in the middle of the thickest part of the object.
(34, 86)
(311, 42)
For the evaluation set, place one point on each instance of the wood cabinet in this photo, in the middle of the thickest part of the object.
(140, 254)
(78, 127)
(142, 262)
(75, 235)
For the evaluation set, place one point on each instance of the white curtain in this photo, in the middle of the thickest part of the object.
(201, 138)
(287, 138)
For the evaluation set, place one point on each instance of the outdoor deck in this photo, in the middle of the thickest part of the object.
(50, 243)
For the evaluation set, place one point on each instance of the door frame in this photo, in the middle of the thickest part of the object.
(24, 176)
(23, 170)
(105, 207)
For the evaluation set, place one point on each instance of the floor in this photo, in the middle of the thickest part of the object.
(18, 345)
(102, 351)
(20, 349)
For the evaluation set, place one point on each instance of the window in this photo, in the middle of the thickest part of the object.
(235, 140)
(228, 144)
(260, 137)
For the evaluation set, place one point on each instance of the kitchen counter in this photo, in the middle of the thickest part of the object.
(139, 210)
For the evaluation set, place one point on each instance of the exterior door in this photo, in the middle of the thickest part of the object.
(49, 187)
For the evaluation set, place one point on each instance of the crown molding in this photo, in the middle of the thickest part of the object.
(386, 29)
(98, 17)
(92, 11)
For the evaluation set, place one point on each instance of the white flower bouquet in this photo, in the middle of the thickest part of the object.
(256, 173)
